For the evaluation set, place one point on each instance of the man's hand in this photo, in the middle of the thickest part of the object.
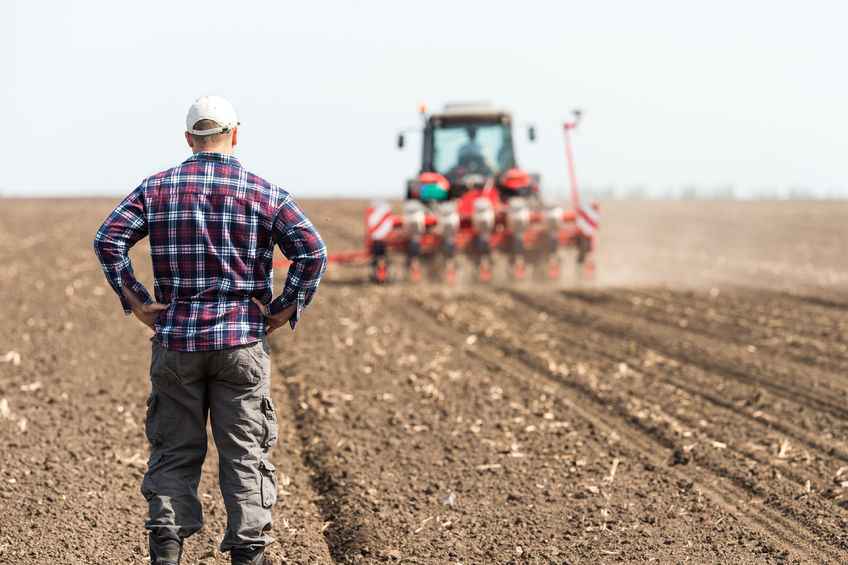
(146, 313)
(275, 321)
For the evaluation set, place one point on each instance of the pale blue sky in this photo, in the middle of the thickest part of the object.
(753, 94)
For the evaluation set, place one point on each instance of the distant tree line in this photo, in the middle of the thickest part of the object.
(719, 192)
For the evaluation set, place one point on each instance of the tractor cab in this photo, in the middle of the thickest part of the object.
(464, 148)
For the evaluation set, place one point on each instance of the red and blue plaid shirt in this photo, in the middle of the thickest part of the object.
(212, 227)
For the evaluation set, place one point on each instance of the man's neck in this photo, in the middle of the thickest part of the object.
(226, 150)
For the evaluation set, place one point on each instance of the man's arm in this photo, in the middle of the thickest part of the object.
(121, 230)
(302, 245)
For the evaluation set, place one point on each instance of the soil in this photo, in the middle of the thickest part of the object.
(689, 407)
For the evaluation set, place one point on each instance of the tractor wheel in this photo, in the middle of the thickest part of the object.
(553, 268)
(450, 275)
(485, 271)
(585, 261)
(413, 271)
(519, 269)
(380, 272)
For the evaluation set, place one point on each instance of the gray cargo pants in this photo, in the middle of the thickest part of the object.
(232, 387)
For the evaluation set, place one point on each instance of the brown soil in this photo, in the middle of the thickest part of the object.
(689, 408)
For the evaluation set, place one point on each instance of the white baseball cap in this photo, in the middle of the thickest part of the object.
(214, 108)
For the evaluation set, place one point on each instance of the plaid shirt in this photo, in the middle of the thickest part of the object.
(212, 228)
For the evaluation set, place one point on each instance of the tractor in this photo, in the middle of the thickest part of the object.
(471, 204)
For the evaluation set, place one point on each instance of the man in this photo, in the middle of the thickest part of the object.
(470, 157)
(471, 148)
(212, 227)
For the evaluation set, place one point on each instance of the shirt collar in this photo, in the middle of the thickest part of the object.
(212, 156)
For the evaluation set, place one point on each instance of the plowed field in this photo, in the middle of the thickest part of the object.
(690, 407)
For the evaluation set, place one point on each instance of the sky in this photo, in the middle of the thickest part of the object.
(749, 94)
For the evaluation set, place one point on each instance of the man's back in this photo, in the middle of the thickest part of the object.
(212, 227)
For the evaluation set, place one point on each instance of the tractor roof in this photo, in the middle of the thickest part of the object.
(473, 110)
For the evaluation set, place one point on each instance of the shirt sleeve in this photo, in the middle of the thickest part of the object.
(301, 243)
(125, 226)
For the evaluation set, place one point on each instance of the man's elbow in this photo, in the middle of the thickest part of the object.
(324, 258)
(97, 244)
(105, 247)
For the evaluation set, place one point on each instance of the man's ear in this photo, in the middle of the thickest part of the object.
(189, 140)
(235, 136)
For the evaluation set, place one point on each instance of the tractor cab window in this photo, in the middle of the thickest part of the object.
(473, 148)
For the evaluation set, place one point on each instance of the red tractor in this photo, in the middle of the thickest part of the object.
(472, 203)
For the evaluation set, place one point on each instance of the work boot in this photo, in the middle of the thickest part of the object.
(165, 551)
(249, 557)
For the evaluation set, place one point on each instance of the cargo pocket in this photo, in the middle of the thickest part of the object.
(269, 438)
(151, 421)
(163, 366)
(268, 483)
(257, 360)
(240, 366)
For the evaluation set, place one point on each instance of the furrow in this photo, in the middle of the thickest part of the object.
(732, 493)
(733, 321)
(699, 382)
(733, 361)
(600, 345)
